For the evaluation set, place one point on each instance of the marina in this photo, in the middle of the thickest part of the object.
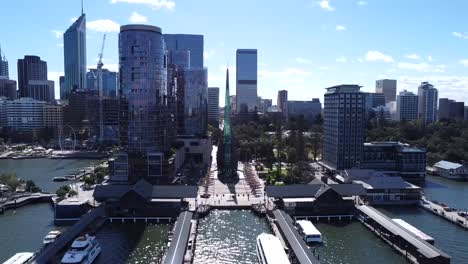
(453, 215)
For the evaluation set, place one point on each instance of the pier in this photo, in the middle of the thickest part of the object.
(446, 212)
(180, 238)
(414, 249)
(18, 201)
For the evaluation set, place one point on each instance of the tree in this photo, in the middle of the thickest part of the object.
(31, 187)
(62, 191)
(10, 180)
(72, 193)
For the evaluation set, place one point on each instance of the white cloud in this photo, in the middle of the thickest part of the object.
(462, 35)
(464, 62)
(60, 45)
(340, 28)
(362, 3)
(324, 68)
(360, 60)
(374, 55)
(341, 59)
(422, 67)
(103, 25)
(429, 58)
(137, 18)
(208, 54)
(58, 33)
(303, 60)
(154, 4)
(413, 56)
(448, 86)
(325, 4)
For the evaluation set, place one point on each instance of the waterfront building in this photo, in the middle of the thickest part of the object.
(395, 159)
(109, 82)
(30, 68)
(213, 106)
(42, 90)
(427, 104)
(74, 51)
(192, 150)
(3, 111)
(388, 88)
(4, 72)
(450, 109)
(194, 44)
(451, 170)
(53, 117)
(25, 114)
(196, 101)
(8, 89)
(246, 79)
(344, 126)
(309, 109)
(407, 106)
(118, 168)
(282, 102)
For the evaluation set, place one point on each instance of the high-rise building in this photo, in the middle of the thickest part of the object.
(263, 104)
(41, 90)
(109, 82)
(30, 68)
(282, 101)
(344, 126)
(25, 114)
(196, 101)
(186, 42)
(427, 106)
(213, 106)
(8, 89)
(388, 88)
(308, 109)
(466, 113)
(407, 106)
(450, 109)
(375, 99)
(53, 117)
(3, 111)
(74, 51)
(4, 73)
(143, 87)
(246, 79)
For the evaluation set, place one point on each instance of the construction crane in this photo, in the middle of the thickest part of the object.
(100, 89)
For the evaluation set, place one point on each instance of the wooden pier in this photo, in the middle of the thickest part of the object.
(445, 212)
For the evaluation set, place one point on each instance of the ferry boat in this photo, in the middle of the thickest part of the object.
(20, 258)
(51, 237)
(309, 232)
(83, 250)
(270, 250)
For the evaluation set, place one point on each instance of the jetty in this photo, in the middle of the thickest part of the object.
(453, 215)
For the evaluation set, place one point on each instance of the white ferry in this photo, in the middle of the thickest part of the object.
(51, 237)
(309, 231)
(270, 250)
(20, 258)
(84, 250)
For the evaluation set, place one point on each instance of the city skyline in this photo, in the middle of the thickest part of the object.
(387, 49)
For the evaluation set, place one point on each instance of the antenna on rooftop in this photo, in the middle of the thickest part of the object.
(82, 7)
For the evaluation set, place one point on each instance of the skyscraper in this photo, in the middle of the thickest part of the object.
(282, 101)
(450, 109)
(4, 73)
(8, 89)
(344, 126)
(407, 106)
(32, 78)
(142, 88)
(388, 88)
(427, 106)
(187, 42)
(196, 101)
(246, 79)
(213, 106)
(109, 82)
(74, 51)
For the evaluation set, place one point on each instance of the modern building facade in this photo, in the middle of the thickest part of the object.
(308, 109)
(450, 109)
(213, 106)
(344, 126)
(407, 106)
(143, 87)
(74, 51)
(8, 89)
(41, 90)
(263, 104)
(3, 111)
(25, 114)
(375, 99)
(4, 72)
(246, 80)
(194, 44)
(109, 82)
(282, 101)
(53, 117)
(196, 101)
(30, 68)
(388, 88)
(427, 106)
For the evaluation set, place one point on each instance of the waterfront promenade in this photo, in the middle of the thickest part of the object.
(21, 200)
(450, 214)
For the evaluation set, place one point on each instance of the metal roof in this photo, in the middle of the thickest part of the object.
(294, 190)
(447, 165)
(296, 242)
(145, 190)
(176, 251)
(388, 183)
(348, 189)
(422, 246)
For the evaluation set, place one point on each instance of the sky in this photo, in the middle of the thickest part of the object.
(303, 46)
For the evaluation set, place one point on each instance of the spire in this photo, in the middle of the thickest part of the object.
(82, 7)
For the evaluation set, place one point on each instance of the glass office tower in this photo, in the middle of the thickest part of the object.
(246, 79)
(74, 51)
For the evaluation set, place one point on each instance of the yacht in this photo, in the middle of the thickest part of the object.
(51, 237)
(309, 232)
(83, 250)
(20, 258)
(270, 250)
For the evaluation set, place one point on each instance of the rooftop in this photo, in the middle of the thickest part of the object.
(386, 183)
(344, 88)
(140, 27)
(447, 165)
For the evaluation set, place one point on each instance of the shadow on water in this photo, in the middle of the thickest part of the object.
(432, 184)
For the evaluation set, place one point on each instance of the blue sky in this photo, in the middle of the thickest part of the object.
(303, 46)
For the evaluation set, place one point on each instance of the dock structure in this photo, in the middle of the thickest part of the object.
(23, 200)
(415, 249)
(180, 238)
(296, 243)
(447, 213)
